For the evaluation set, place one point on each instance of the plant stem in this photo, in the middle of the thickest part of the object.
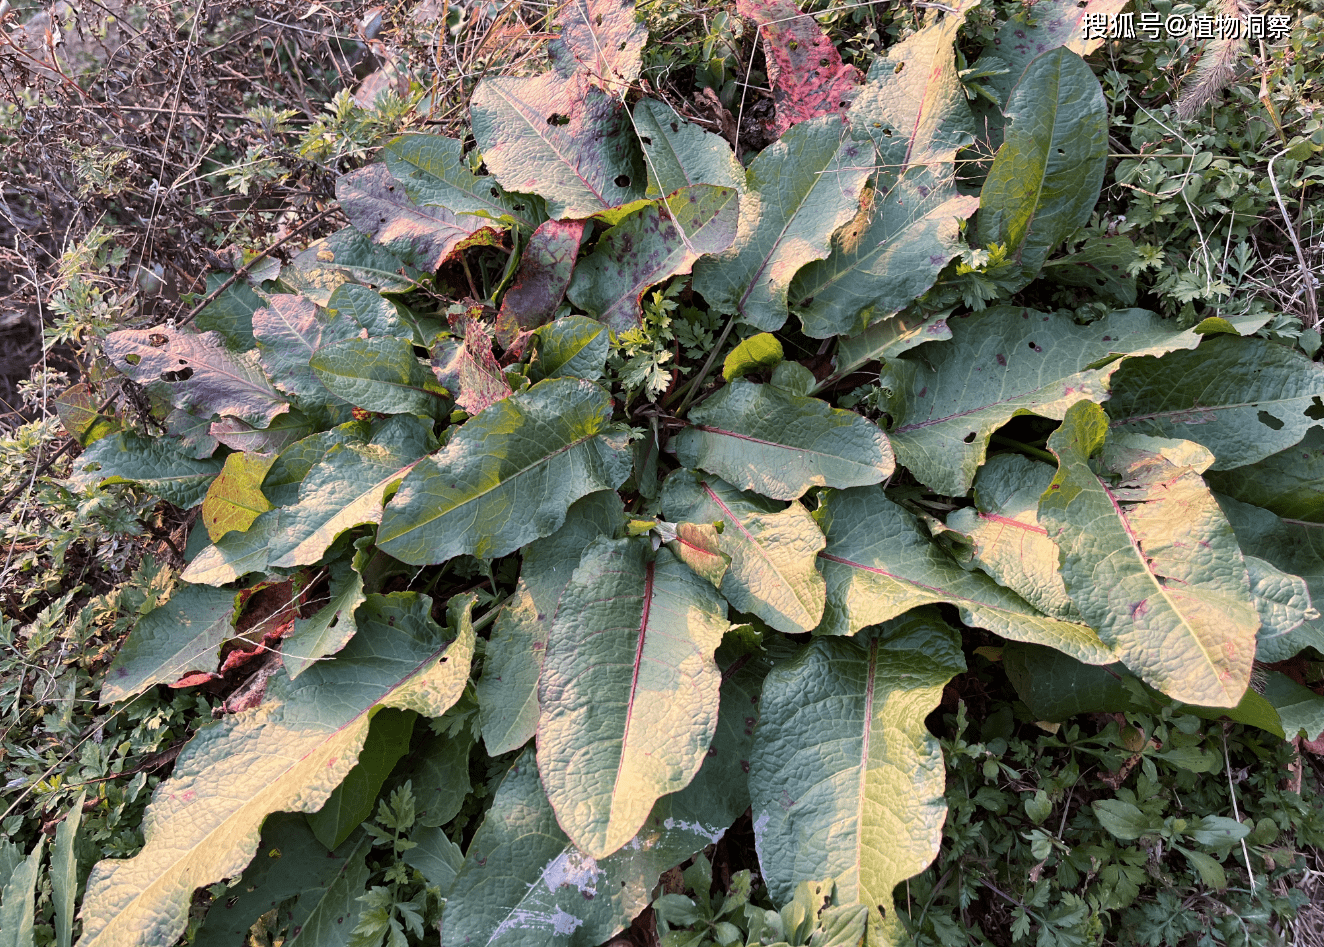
(1025, 449)
(697, 382)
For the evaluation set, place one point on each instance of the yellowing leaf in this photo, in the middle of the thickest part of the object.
(287, 755)
(1149, 559)
(629, 690)
(235, 497)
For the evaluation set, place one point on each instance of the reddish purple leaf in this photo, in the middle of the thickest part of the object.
(807, 74)
(377, 205)
(468, 370)
(544, 272)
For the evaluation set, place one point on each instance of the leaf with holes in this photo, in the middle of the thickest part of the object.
(1046, 177)
(773, 549)
(680, 154)
(629, 690)
(606, 39)
(508, 689)
(372, 314)
(1102, 264)
(508, 476)
(659, 241)
(1028, 35)
(887, 256)
(185, 634)
(151, 463)
(912, 105)
(846, 781)
(381, 375)
(288, 755)
(436, 173)
(766, 439)
(798, 192)
(1005, 537)
(949, 397)
(879, 564)
(198, 373)
(1244, 399)
(544, 272)
(559, 137)
(422, 236)
(806, 72)
(1149, 559)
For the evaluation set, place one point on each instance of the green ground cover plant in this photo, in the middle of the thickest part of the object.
(823, 522)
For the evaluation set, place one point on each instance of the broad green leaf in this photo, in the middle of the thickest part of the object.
(887, 338)
(571, 347)
(545, 268)
(11, 856)
(912, 105)
(198, 372)
(436, 856)
(1300, 709)
(234, 499)
(1289, 483)
(291, 864)
(370, 310)
(799, 190)
(230, 313)
(661, 240)
(281, 484)
(352, 801)
(150, 462)
(328, 629)
(679, 154)
(287, 755)
(766, 439)
(1103, 266)
(629, 689)
(1149, 559)
(698, 545)
(236, 554)
(346, 489)
(1046, 177)
(18, 906)
(1124, 820)
(289, 330)
(879, 564)
(422, 236)
(754, 354)
(1295, 547)
(1284, 605)
(440, 776)
(1055, 687)
(951, 396)
(348, 255)
(508, 476)
(559, 137)
(435, 172)
(524, 884)
(606, 39)
(845, 780)
(381, 374)
(1244, 399)
(64, 872)
(508, 689)
(773, 572)
(185, 634)
(1211, 872)
(1004, 533)
(1028, 34)
(805, 70)
(887, 256)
